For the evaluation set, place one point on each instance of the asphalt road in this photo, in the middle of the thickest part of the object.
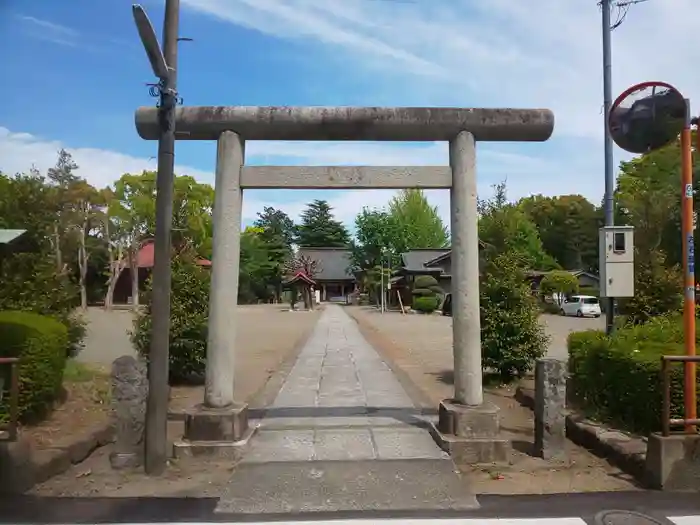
(561, 509)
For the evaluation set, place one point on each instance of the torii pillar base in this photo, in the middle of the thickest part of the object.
(215, 432)
(470, 434)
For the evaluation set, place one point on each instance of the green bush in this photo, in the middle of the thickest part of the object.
(189, 305)
(550, 308)
(427, 282)
(426, 304)
(618, 378)
(426, 294)
(40, 343)
(30, 283)
(511, 335)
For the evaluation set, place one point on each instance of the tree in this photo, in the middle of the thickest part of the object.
(512, 337)
(116, 260)
(568, 227)
(276, 226)
(132, 214)
(647, 195)
(276, 231)
(559, 283)
(415, 223)
(657, 289)
(307, 266)
(28, 270)
(505, 228)
(62, 178)
(319, 229)
(375, 236)
(255, 267)
(85, 218)
(132, 220)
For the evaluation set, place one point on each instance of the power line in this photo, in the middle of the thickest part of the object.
(621, 8)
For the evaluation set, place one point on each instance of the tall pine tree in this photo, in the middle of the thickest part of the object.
(319, 229)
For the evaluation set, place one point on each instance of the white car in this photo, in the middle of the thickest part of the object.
(581, 306)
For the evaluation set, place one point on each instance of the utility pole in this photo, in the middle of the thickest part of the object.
(608, 144)
(164, 64)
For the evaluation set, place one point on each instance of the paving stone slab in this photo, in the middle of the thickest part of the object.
(344, 444)
(341, 388)
(281, 445)
(406, 443)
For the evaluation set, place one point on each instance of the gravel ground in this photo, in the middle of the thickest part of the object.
(421, 346)
(267, 341)
(266, 333)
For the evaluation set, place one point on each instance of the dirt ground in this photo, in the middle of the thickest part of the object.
(267, 341)
(421, 347)
(86, 406)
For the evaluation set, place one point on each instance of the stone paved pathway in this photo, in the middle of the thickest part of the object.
(341, 402)
(342, 436)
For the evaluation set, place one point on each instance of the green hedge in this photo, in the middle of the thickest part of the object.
(40, 342)
(619, 378)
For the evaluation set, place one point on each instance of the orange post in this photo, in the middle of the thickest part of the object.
(690, 394)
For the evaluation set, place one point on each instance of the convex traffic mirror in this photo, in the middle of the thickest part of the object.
(647, 116)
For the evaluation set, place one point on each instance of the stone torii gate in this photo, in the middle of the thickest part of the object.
(467, 427)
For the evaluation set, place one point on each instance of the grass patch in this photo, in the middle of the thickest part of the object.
(89, 383)
(76, 372)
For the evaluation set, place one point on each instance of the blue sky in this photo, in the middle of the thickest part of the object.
(74, 72)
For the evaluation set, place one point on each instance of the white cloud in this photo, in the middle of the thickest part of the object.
(21, 151)
(49, 31)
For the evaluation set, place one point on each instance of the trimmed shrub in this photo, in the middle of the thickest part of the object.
(31, 284)
(618, 378)
(512, 337)
(40, 343)
(426, 293)
(426, 305)
(427, 282)
(189, 306)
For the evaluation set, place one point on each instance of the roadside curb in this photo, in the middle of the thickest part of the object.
(21, 467)
(626, 451)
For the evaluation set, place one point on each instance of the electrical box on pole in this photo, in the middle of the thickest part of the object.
(616, 261)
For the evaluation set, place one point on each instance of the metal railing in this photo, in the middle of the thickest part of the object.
(8, 431)
(666, 421)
